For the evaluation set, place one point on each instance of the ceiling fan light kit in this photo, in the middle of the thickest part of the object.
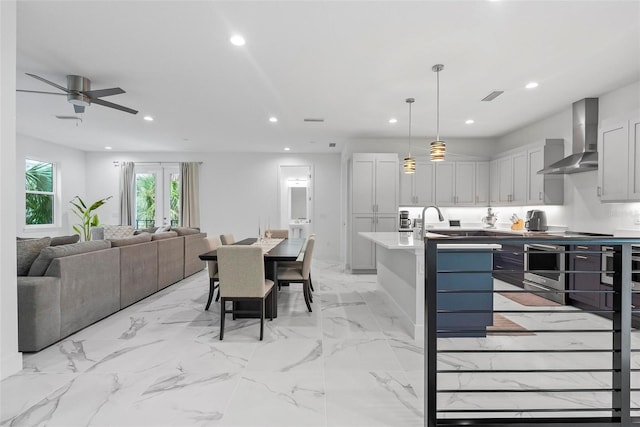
(79, 93)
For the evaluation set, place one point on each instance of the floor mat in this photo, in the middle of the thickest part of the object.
(502, 323)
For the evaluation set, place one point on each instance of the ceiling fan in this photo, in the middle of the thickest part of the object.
(79, 93)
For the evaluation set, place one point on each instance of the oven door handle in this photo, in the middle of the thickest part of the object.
(555, 248)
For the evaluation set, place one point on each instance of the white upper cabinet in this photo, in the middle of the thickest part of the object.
(457, 183)
(545, 189)
(619, 160)
(418, 189)
(482, 183)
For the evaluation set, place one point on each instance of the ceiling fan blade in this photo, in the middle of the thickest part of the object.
(78, 108)
(112, 105)
(62, 88)
(99, 93)
(37, 91)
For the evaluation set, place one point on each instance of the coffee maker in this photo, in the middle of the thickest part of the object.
(405, 222)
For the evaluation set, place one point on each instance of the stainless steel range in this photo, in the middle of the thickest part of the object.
(544, 267)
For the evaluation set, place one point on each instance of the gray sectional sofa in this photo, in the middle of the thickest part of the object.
(69, 287)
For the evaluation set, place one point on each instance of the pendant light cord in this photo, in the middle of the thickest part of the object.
(410, 128)
(438, 105)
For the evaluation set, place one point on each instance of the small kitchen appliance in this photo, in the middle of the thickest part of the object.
(405, 222)
(536, 220)
(490, 219)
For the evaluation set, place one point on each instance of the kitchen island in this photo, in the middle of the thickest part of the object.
(401, 275)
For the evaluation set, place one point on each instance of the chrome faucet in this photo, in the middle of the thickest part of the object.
(424, 224)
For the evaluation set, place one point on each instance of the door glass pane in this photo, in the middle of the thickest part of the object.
(145, 200)
(174, 197)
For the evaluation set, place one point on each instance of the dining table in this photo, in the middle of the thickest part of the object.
(275, 251)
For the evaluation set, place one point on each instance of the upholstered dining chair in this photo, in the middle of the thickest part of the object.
(241, 271)
(278, 234)
(227, 239)
(298, 264)
(299, 273)
(213, 243)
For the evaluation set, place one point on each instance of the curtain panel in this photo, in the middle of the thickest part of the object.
(190, 194)
(127, 193)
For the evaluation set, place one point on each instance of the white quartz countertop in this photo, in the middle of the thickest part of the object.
(395, 240)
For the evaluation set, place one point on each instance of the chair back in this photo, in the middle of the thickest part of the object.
(308, 253)
(227, 239)
(279, 234)
(213, 243)
(241, 271)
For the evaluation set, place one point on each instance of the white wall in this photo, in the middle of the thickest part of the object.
(10, 358)
(457, 149)
(70, 164)
(236, 191)
(582, 209)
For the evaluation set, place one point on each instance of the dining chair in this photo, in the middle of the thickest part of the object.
(293, 264)
(241, 271)
(227, 239)
(299, 273)
(278, 234)
(213, 243)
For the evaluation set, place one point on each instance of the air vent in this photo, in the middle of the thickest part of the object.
(332, 145)
(493, 95)
(316, 120)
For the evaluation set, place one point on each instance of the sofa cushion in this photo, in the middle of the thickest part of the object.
(28, 251)
(145, 230)
(42, 262)
(65, 240)
(117, 231)
(133, 240)
(185, 231)
(165, 235)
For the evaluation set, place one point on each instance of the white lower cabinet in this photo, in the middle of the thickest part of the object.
(363, 251)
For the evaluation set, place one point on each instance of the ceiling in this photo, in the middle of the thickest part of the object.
(351, 63)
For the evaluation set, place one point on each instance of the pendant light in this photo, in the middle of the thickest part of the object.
(437, 147)
(409, 162)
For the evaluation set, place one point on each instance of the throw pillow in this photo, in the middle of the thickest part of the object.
(40, 265)
(65, 240)
(117, 231)
(184, 231)
(133, 240)
(163, 229)
(27, 251)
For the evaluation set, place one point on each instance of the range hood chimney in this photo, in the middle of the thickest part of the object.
(585, 141)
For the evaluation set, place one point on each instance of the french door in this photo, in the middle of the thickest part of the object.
(157, 195)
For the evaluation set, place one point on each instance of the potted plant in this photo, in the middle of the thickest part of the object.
(87, 215)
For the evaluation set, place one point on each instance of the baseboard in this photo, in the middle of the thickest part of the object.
(11, 364)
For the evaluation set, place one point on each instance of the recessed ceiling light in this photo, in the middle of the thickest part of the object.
(531, 85)
(273, 119)
(470, 121)
(108, 148)
(287, 148)
(393, 121)
(237, 40)
(148, 118)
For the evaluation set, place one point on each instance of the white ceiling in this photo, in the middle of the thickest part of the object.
(352, 63)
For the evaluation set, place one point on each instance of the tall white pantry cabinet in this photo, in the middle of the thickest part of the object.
(373, 204)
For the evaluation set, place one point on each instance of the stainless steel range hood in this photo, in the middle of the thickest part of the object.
(585, 141)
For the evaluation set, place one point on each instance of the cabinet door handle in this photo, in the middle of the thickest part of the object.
(539, 195)
(498, 267)
(582, 247)
(477, 198)
(581, 257)
(599, 191)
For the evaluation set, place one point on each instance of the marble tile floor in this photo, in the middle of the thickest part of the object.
(349, 363)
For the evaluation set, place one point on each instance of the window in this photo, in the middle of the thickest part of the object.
(40, 196)
(157, 196)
